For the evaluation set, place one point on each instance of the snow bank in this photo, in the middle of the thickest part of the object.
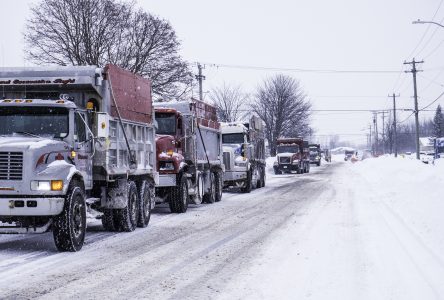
(414, 190)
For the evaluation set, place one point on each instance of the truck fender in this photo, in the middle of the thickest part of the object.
(60, 170)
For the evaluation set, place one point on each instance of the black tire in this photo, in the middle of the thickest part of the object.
(219, 180)
(109, 220)
(318, 164)
(210, 197)
(248, 184)
(263, 177)
(69, 227)
(126, 218)
(277, 172)
(179, 197)
(145, 198)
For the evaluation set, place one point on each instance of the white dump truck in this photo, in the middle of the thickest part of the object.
(189, 151)
(72, 137)
(244, 154)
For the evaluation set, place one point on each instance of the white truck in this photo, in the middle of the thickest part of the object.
(244, 154)
(72, 137)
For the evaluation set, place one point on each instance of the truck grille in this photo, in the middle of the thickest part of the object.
(284, 160)
(227, 161)
(11, 165)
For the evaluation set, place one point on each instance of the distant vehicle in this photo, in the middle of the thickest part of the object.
(189, 152)
(439, 147)
(244, 154)
(349, 154)
(292, 156)
(327, 155)
(427, 157)
(72, 136)
(315, 154)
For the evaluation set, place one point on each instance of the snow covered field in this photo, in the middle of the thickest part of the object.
(366, 230)
(377, 234)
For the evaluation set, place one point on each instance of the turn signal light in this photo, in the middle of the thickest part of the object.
(170, 152)
(56, 185)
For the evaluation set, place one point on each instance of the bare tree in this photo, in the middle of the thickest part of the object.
(96, 32)
(229, 101)
(282, 104)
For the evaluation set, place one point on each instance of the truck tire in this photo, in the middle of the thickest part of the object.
(219, 182)
(263, 177)
(277, 172)
(145, 199)
(69, 227)
(127, 217)
(179, 197)
(318, 163)
(248, 184)
(109, 220)
(210, 197)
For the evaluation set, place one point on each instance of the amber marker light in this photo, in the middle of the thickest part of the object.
(56, 185)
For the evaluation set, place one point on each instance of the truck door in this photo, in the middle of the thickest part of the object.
(83, 146)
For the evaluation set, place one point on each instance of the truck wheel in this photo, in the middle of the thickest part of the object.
(277, 172)
(69, 227)
(179, 196)
(247, 185)
(263, 177)
(144, 205)
(127, 217)
(218, 179)
(318, 163)
(109, 220)
(210, 197)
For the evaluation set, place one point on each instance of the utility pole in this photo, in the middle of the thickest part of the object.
(375, 126)
(370, 137)
(383, 132)
(200, 78)
(415, 96)
(395, 135)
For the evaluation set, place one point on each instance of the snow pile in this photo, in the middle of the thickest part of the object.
(414, 190)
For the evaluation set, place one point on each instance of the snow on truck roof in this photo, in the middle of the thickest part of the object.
(37, 102)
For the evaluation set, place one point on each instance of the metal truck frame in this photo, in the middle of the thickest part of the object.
(244, 154)
(75, 136)
(189, 149)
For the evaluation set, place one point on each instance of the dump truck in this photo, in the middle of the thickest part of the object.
(315, 154)
(244, 154)
(71, 137)
(292, 156)
(189, 152)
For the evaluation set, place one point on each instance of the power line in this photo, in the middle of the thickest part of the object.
(428, 105)
(262, 68)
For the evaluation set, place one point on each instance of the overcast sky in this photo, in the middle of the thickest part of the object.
(344, 35)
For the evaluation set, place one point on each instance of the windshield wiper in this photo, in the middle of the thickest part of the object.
(27, 133)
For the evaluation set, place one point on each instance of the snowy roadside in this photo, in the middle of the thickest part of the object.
(378, 233)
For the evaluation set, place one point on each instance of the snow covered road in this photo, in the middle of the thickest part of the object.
(330, 234)
(192, 255)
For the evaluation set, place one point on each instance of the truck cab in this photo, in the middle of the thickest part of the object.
(315, 154)
(244, 154)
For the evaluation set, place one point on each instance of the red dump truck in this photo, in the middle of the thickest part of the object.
(189, 152)
(292, 156)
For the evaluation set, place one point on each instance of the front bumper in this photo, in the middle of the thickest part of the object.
(286, 167)
(234, 176)
(16, 206)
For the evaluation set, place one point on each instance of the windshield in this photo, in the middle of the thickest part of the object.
(233, 138)
(34, 121)
(288, 149)
(166, 123)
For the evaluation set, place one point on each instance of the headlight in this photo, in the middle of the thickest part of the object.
(317, 157)
(47, 185)
(275, 163)
(295, 162)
